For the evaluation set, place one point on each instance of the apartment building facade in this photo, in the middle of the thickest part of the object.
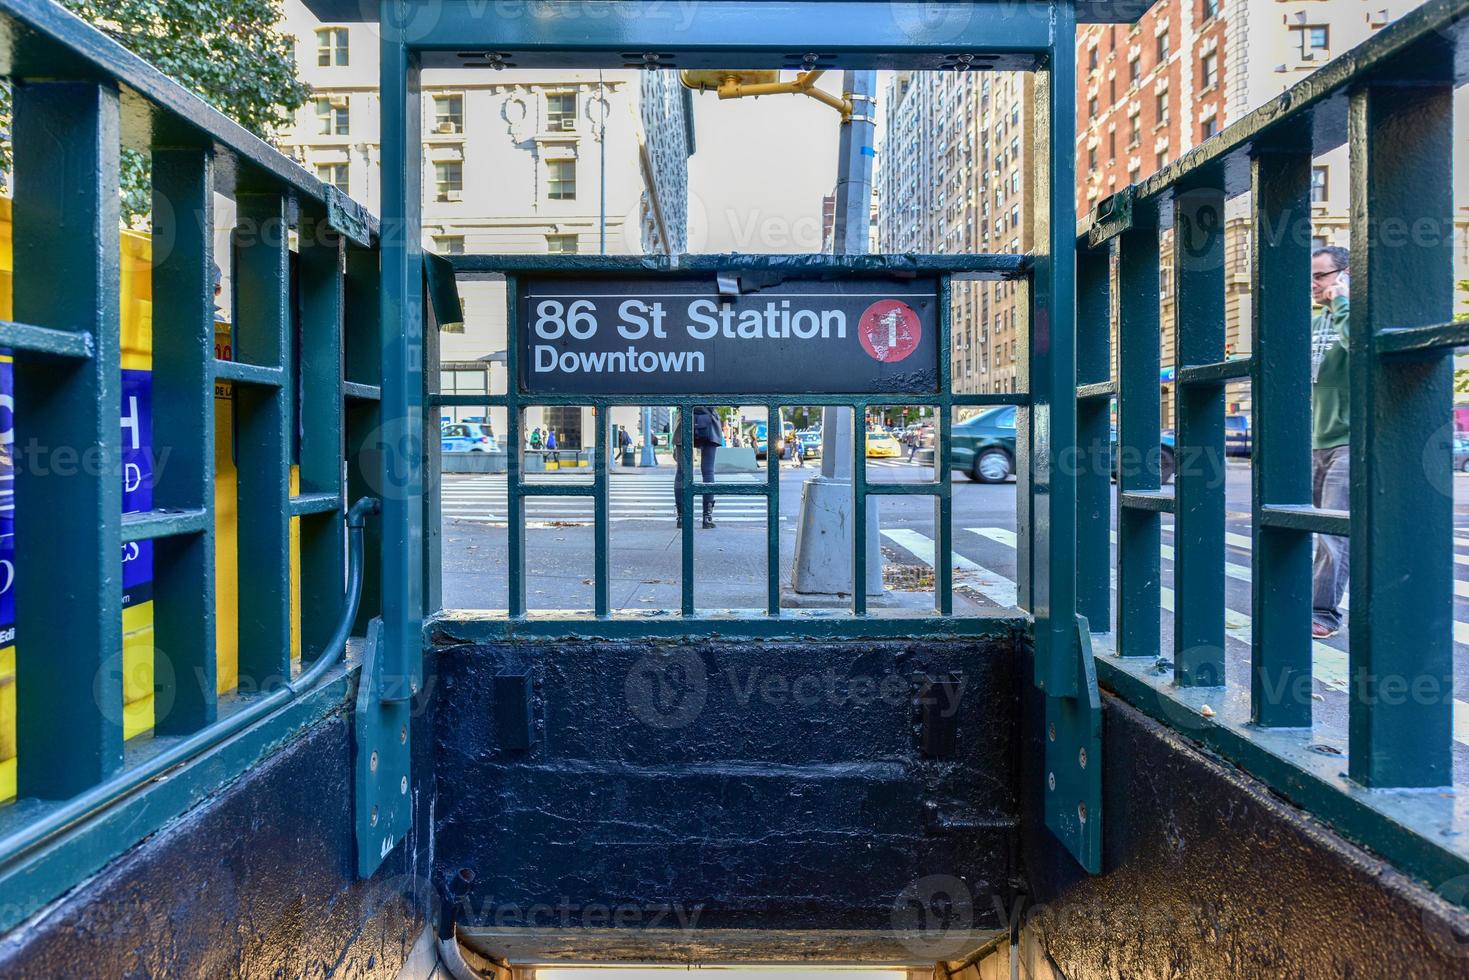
(953, 177)
(1147, 92)
(515, 161)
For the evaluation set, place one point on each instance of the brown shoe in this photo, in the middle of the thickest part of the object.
(1320, 631)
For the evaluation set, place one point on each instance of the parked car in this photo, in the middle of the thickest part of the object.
(466, 437)
(882, 445)
(1461, 454)
(1237, 435)
(983, 447)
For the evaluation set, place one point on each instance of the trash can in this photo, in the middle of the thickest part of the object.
(628, 459)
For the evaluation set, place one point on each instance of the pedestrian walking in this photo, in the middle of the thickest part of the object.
(535, 439)
(1330, 432)
(708, 437)
(551, 446)
(624, 441)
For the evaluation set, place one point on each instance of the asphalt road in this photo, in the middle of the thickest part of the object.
(729, 562)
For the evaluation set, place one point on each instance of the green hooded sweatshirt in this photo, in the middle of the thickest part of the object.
(1329, 404)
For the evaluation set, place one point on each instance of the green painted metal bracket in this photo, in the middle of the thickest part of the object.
(1074, 760)
(382, 805)
(1111, 217)
(348, 218)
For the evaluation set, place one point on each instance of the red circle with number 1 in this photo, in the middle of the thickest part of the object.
(889, 330)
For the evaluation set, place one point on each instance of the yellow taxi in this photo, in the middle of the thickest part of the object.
(882, 445)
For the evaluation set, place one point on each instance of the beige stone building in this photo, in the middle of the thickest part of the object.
(515, 162)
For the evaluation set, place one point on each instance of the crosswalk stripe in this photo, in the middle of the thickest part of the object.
(1243, 542)
(994, 586)
(533, 519)
(1328, 664)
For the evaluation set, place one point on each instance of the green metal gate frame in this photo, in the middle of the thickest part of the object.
(1390, 101)
(995, 34)
(366, 336)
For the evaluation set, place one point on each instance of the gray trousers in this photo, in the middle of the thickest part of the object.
(1330, 490)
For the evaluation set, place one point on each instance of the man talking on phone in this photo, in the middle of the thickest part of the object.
(1330, 434)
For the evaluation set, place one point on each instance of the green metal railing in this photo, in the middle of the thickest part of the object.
(941, 269)
(1391, 102)
(78, 99)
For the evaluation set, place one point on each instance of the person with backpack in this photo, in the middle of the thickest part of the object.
(707, 439)
(624, 441)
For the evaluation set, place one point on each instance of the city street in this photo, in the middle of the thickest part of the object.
(729, 562)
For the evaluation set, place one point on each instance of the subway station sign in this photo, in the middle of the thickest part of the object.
(618, 336)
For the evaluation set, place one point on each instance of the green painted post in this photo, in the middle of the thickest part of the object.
(1198, 533)
(1053, 374)
(1400, 721)
(685, 451)
(1093, 440)
(943, 501)
(1139, 584)
(775, 422)
(362, 327)
(323, 540)
(402, 349)
(514, 454)
(262, 300)
(68, 530)
(1025, 454)
(183, 425)
(859, 507)
(433, 468)
(601, 516)
(1280, 383)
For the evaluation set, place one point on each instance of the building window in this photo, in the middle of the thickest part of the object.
(1210, 127)
(561, 180)
(449, 244)
(331, 47)
(561, 112)
(448, 114)
(449, 181)
(1091, 158)
(1318, 185)
(336, 174)
(1134, 175)
(1314, 41)
(1135, 70)
(1162, 47)
(1112, 144)
(333, 116)
(1093, 58)
(1162, 107)
(1209, 8)
(1162, 159)
(1210, 70)
(561, 245)
(1134, 129)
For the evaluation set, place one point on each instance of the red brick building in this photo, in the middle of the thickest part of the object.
(1146, 92)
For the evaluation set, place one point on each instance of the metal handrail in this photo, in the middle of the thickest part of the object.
(99, 797)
